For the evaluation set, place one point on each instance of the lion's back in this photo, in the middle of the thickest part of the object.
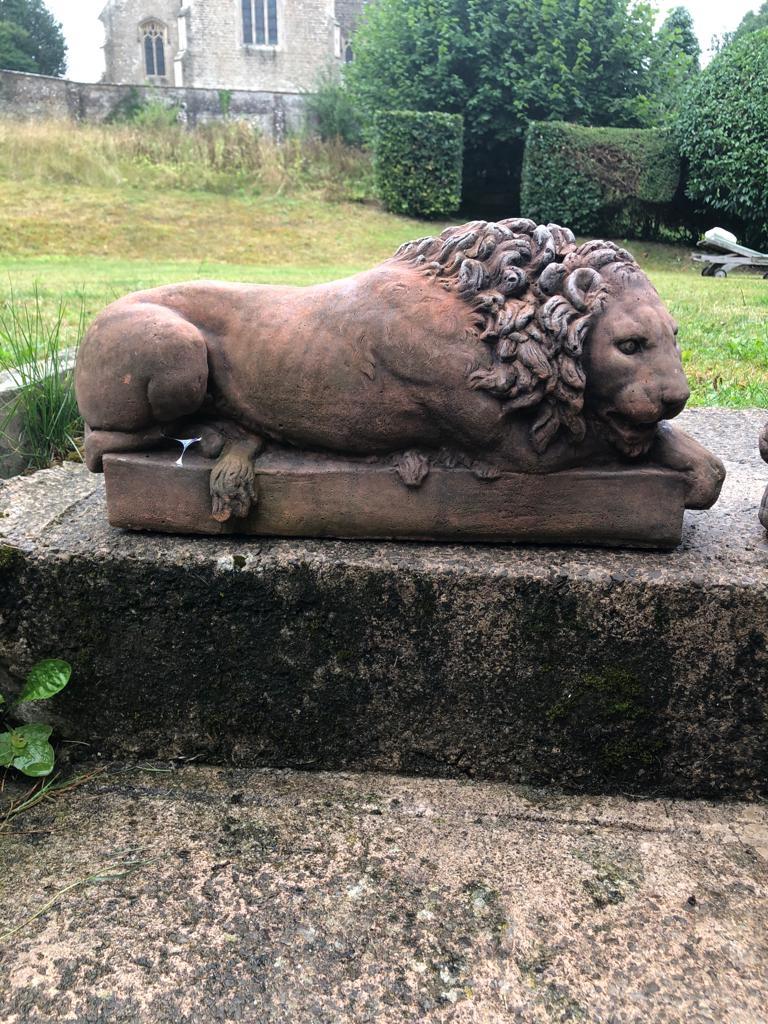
(348, 365)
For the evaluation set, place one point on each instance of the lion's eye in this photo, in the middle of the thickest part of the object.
(630, 346)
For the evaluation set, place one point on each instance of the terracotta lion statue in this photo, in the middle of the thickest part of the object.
(500, 346)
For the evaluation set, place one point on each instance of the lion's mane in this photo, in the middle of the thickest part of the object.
(536, 294)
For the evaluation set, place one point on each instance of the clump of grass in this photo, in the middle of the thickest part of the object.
(220, 156)
(41, 422)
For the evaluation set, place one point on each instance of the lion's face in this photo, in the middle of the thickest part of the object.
(632, 361)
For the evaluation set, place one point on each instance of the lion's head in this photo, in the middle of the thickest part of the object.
(574, 332)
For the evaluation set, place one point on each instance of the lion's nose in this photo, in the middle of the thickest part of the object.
(674, 398)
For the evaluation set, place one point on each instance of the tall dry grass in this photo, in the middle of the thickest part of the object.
(37, 354)
(218, 157)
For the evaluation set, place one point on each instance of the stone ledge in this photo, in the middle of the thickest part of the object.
(591, 669)
(286, 898)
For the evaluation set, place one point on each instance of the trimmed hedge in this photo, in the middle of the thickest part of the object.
(723, 133)
(616, 180)
(418, 161)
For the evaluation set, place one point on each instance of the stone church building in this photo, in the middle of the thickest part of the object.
(272, 45)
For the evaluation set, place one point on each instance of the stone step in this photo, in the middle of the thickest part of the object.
(590, 669)
(274, 897)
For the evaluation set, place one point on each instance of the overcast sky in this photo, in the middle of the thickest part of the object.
(85, 35)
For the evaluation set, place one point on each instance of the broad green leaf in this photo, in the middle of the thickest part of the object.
(2, 699)
(36, 769)
(6, 750)
(45, 680)
(35, 757)
(35, 732)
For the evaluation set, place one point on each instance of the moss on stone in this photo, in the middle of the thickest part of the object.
(615, 877)
(612, 712)
(641, 751)
(10, 557)
(620, 688)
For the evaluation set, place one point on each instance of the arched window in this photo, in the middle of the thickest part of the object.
(153, 37)
(259, 22)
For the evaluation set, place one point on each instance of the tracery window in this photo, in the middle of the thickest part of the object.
(260, 22)
(153, 36)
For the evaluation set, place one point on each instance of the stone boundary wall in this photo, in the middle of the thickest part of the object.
(38, 97)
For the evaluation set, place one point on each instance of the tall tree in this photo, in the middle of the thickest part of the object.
(677, 33)
(752, 22)
(503, 63)
(30, 38)
(674, 64)
(15, 48)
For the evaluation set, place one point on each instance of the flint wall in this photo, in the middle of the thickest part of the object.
(38, 97)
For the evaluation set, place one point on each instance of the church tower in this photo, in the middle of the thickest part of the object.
(141, 41)
(271, 45)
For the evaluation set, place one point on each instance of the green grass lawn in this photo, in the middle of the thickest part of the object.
(99, 243)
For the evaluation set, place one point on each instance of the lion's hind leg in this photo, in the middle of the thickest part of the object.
(140, 369)
(99, 442)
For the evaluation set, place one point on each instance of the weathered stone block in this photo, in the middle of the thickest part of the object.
(590, 669)
(302, 495)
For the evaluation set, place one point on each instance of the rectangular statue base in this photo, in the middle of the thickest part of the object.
(308, 495)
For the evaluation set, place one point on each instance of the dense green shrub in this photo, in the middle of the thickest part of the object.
(502, 64)
(331, 110)
(146, 109)
(418, 161)
(723, 133)
(613, 180)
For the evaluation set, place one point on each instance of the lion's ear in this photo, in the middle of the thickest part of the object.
(579, 285)
(552, 278)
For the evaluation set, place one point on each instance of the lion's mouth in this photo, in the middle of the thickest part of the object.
(633, 437)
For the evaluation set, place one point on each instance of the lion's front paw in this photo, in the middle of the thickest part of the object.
(704, 482)
(702, 471)
(233, 487)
